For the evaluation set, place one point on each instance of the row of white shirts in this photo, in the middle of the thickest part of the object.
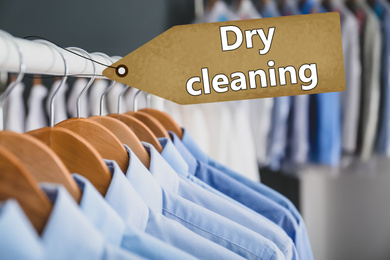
(64, 106)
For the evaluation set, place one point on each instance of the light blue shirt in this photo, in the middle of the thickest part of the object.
(302, 240)
(270, 9)
(207, 199)
(18, 239)
(383, 138)
(68, 234)
(125, 200)
(325, 138)
(238, 191)
(204, 222)
(98, 212)
(111, 225)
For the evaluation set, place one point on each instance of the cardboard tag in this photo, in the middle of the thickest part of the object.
(237, 60)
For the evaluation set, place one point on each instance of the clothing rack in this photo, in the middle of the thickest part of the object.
(41, 58)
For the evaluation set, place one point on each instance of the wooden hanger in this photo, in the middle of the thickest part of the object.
(154, 125)
(102, 139)
(140, 130)
(43, 164)
(13, 78)
(138, 127)
(77, 154)
(37, 81)
(16, 182)
(166, 120)
(119, 129)
(125, 135)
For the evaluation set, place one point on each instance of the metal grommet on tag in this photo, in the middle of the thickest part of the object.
(121, 70)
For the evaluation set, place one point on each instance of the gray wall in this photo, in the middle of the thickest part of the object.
(347, 213)
(115, 27)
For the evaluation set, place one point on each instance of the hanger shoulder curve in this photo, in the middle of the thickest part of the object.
(140, 129)
(152, 123)
(166, 120)
(16, 182)
(125, 135)
(102, 139)
(40, 161)
(77, 154)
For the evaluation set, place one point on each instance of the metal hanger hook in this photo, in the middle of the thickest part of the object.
(135, 100)
(63, 80)
(78, 100)
(148, 97)
(109, 87)
(120, 97)
(22, 70)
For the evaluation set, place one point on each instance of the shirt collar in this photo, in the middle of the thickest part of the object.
(17, 233)
(68, 228)
(161, 170)
(185, 153)
(99, 213)
(191, 145)
(143, 182)
(172, 156)
(123, 198)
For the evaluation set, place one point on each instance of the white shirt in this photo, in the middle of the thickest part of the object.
(220, 12)
(350, 98)
(95, 92)
(128, 100)
(247, 10)
(219, 124)
(171, 108)
(14, 111)
(112, 99)
(260, 118)
(194, 119)
(243, 153)
(372, 42)
(77, 87)
(60, 113)
(36, 117)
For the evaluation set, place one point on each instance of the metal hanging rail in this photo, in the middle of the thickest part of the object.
(40, 58)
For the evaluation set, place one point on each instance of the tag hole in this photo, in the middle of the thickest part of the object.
(121, 71)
